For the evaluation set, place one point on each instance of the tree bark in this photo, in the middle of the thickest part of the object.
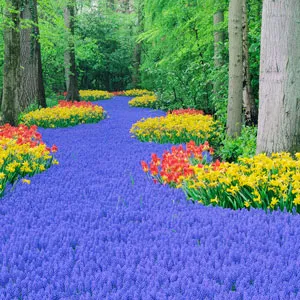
(219, 38)
(11, 72)
(250, 109)
(279, 106)
(235, 98)
(32, 84)
(72, 92)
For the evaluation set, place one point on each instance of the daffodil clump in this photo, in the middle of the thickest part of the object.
(137, 93)
(22, 153)
(65, 114)
(258, 182)
(144, 101)
(177, 129)
(94, 95)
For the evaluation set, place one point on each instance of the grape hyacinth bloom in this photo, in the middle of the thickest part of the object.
(95, 227)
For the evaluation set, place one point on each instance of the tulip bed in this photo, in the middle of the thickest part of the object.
(64, 114)
(94, 95)
(269, 183)
(143, 101)
(179, 127)
(22, 153)
(96, 228)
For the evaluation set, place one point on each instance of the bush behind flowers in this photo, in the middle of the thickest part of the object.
(144, 101)
(65, 114)
(94, 95)
(178, 128)
(243, 146)
(22, 153)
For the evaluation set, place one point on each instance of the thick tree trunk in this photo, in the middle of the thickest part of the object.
(250, 109)
(137, 55)
(11, 71)
(72, 92)
(219, 37)
(32, 85)
(279, 106)
(235, 98)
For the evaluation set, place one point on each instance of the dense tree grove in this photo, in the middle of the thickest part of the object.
(201, 54)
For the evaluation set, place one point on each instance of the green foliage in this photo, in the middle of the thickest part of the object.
(243, 146)
(179, 53)
(53, 44)
(177, 39)
(104, 49)
(178, 61)
(254, 18)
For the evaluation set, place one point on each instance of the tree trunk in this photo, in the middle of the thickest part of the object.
(279, 106)
(72, 92)
(250, 109)
(235, 97)
(137, 55)
(32, 84)
(11, 72)
(219, 38)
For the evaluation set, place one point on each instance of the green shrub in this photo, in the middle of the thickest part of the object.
(243, 146)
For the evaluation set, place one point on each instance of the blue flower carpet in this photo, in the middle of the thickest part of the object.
(95, 227)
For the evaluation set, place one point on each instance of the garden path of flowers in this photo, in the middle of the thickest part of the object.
(95, 227)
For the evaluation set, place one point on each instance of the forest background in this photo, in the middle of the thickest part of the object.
(192, 53)
(166, 46)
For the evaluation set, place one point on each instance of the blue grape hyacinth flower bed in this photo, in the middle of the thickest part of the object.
(95, 227)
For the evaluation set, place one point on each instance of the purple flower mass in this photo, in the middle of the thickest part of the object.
(95, 227)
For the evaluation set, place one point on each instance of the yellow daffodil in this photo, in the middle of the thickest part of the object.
(27, 181)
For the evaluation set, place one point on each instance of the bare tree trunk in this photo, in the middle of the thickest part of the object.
(250, 109)
(11, 72)
(73, 93)
(32, 84)
(235, 98)
(219, 38)
(279, 106)
(137, 55)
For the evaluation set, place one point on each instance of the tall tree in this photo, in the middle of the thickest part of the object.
(11, 72)
(279, 107)
(32, 84)
(235, 92)
(72, 89)
(251, 111)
